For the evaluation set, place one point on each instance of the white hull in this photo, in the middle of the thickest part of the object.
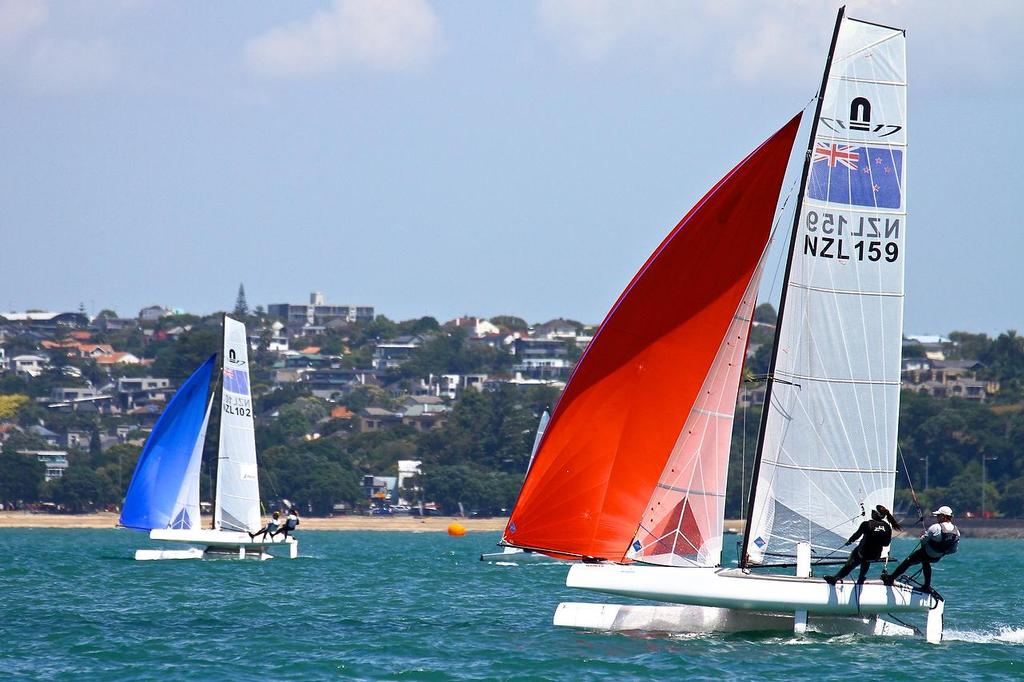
(734, 589)
(709, 619)
(215, 544)
(517, 556)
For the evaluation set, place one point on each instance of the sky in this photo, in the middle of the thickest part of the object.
(457, 158)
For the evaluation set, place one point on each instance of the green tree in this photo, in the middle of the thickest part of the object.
(765, 313)
(81, 489)
(179, 360)
(241, 305)
(1012, 500)
(510, 322)
(20, 477)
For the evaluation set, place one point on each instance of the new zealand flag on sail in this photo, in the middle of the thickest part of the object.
(858, 176)
(236, 381)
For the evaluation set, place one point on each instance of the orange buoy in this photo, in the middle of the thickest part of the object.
(456, 530)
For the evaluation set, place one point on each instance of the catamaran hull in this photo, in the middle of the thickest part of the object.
(709, 619)
(518, 556)
(214, 544)
(734, 589)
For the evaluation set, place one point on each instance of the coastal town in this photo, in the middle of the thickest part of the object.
(357, 414)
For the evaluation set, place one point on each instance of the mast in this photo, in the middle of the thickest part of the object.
(743, 563)
(217, 392)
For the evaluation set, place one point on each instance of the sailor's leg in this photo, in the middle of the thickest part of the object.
(864, 566)
(848, 566)
(926, 571)
(905, 564)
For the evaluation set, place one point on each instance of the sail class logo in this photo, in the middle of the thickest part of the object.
(856, 176)
(236, 381)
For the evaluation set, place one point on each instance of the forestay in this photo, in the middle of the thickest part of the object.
(828, 448)
(238, 495)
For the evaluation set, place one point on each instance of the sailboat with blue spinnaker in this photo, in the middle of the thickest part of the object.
(163, 496)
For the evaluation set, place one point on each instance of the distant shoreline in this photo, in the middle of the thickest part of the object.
(1005, 529)
(374, 523)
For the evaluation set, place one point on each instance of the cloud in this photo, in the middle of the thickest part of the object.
(737, 40)
(19, 18)
(68, 66)
(397, 35)
(41, 51)
(594, 29)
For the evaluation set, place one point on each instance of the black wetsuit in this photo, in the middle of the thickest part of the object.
(289, 525)
(876, 535)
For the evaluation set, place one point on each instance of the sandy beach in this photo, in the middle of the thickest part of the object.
(380, 523)
(377, 523)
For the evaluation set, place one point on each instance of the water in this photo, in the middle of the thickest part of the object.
(421, 606)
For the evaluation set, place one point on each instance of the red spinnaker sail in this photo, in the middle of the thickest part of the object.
(628, 399)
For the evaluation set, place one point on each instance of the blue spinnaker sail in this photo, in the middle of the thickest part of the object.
(153, 494)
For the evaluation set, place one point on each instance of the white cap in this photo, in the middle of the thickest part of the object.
(943, 511)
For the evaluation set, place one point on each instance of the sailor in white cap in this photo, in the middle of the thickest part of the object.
(940, 539)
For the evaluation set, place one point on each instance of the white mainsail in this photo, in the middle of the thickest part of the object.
(237, 506)
(828, 448)
(542, 426)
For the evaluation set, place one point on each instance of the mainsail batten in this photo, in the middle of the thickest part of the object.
(827, 451)
(626, 403)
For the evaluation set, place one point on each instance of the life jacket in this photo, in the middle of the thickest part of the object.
(946, 543)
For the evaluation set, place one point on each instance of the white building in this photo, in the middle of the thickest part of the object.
(56, 461)
(31, 365)
(407, 468)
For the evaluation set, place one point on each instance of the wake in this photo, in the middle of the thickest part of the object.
(1005, 635)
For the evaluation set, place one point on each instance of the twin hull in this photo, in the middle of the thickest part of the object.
(216, 542)
(734, 589)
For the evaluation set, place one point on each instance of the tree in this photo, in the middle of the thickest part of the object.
(241, 305)
(477, 489)
(179, 360)
(1012, 501)
(81, 489)
(765, 313)
(20, 477)
(10, 404)
(510, 322)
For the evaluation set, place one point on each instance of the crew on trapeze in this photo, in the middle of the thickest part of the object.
(875, 535)
(940, 539)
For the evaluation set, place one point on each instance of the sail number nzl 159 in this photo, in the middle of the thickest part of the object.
(844, 237)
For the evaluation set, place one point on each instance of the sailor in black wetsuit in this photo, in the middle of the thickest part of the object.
(875, 535)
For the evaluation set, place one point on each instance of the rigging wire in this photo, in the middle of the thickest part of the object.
(910, 483)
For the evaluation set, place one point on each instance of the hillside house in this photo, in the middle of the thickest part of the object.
(947, 379)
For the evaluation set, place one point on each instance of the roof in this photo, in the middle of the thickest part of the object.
(378, 412)
(115, 358)
(424, 399)
(956, 364)
(37, 316)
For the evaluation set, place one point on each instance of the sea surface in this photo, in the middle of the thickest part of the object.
(421, 606)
